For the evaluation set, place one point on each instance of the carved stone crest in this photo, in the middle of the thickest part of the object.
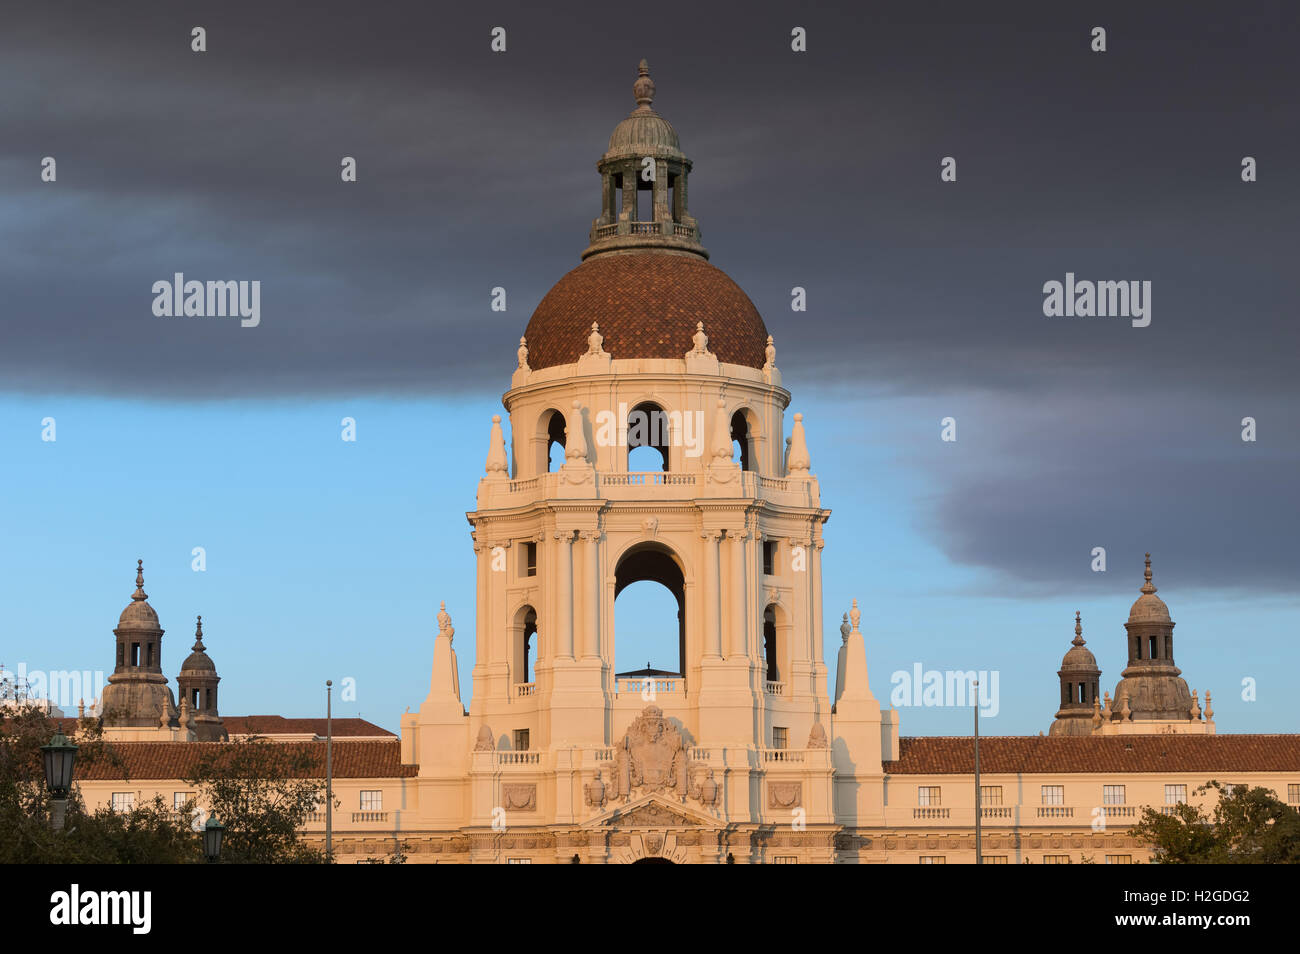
(597, 792)
(519, 797)
(785, 795)
(484, 742)
(651, 756)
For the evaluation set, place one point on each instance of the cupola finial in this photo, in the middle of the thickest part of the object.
(1078, 630)
(644, 87)
(198, 646)
(139, 593)
(1148, 586)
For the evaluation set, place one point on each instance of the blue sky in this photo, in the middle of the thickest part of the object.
(327, 559)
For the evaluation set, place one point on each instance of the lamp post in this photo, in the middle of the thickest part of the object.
(329, 772)
(979, 857)
(58, 758)
(212, 834)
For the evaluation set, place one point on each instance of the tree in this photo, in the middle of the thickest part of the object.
(1248, 826)
(148, 833)
(262, 792)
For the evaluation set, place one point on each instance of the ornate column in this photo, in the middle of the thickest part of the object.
(564, 593)
(483, 574)
(591, 594)
(815, 597)
(738, 628)
(712, 592)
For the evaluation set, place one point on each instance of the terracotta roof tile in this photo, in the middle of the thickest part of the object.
(1109, 754)
(647, 305)
(175, 760)
(279, 725)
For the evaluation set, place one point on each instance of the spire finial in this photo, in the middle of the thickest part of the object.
(1148, 586)
(198, 646)
(644, 87)
(139, 593)
(1078, 630)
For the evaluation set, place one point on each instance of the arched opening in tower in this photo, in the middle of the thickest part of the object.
(523, 645)
(741, 441)
(555, 425)
(776, 641)
(651, 614)
(648, 438)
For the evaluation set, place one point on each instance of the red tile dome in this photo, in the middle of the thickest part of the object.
(647, 305)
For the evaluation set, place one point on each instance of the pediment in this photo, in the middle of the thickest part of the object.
(653, 811)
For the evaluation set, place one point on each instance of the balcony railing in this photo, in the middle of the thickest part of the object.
(785, 755)
(1119, 811)
(518, 758)
(932, 813)
(652, 686)
(618, 485)
(774, 688)
(360, 817)
(526, 689)
(1055, 811)
(1004, 812)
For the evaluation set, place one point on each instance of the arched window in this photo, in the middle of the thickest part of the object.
(1155, 647)
(555, 441)
(1083, 693)
(523, 644)
(1137, 647)
(650, 620)
(742, 443)
(776, 643)
(647, 438)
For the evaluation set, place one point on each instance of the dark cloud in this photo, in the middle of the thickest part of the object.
(820, 170)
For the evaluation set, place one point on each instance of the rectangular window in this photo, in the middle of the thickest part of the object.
(928, 795)
(1119, 859)
(1056, 859)
(1175, 794)
(1230, 788)
(933, 860)
(780, 737)
(179, 799)
(521, 740)
(1112, 794)
(769, 557)
(994, 859)
(1293, 793)
(785, 860)
(519, 861)
(1053, 794)
(990, 795)
(123, 801)
(530, 559)
(372, 801)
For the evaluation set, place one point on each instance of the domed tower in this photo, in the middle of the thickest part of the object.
(137, 694)
(1151, 689)
(1080, 678)
(197, 682)
(647, 443)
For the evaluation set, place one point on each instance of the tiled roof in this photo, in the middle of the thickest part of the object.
(647, 305)
(1110, 754)
(279, 725)
(175, 760)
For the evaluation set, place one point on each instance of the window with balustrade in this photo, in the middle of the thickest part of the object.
(928, 796)
(179, 799)
(994, 859)
(1112, 795)
(1119, 859)
(521, 740)
(1056, 859)
(785, 860)
(1175, 794)
(1053, 794)
(123, 801)
(933, 860)
(1293, 793)
(372, 801)
(780, 737)
(990, 795)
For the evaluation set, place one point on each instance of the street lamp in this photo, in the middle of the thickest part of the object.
(212, 833)
(58, 758)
